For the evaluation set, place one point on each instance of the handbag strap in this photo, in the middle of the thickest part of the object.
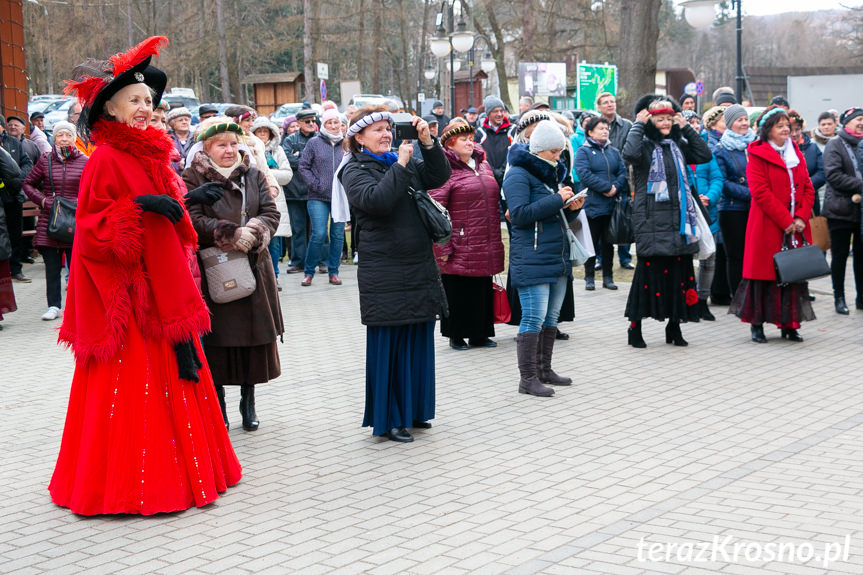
(51, 175)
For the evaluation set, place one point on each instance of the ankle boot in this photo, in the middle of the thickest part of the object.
(543, 359)
(674, 335)
(791, 334)
(757, 332)
(634, 335)
(247, 407)
(608, 282)
(705, 311)
(220, 392)
(839, 302)
(526, 346)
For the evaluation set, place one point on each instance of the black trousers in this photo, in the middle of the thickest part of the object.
(53, 258)
(841, 234)
(598, 225)
(719, 288)
(733, 226)
(14, 222)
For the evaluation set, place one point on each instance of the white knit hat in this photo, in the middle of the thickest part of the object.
(64, 126)
(178, 112)
(546, 136)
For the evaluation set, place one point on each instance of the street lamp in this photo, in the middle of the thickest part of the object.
(486, 65)
(456, 39)
(700, 14)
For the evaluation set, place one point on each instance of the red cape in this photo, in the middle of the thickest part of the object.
(128, 264)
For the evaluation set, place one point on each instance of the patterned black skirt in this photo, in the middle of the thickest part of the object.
(764, 301)
(663, 287)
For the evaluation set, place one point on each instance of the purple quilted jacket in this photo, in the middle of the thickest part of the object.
(472, 198)
(37, 186)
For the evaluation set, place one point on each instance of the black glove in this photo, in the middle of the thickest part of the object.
(188, 362)
(161, 204)
(208, 194)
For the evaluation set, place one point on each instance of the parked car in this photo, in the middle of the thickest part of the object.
(360, 100)
(41, 103)
(284, 111)
(57, 111)
(179, 97)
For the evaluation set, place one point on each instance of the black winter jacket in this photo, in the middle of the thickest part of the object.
(293, 145)
(16, 149)
(657, 224)
(842, 181)
(10, 177)
(397, 275)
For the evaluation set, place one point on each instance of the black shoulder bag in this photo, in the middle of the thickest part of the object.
(434, 216)
(61, 222)
(797, 264)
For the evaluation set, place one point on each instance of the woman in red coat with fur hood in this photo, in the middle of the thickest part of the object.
(144, 431)
(774, 160)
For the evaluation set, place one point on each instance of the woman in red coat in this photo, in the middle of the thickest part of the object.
(144, 431)
(775, 216)
(475, 253)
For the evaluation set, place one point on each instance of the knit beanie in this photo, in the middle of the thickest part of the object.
(330, 114)
(288, 121)
(178, 112)
(849, 115)
(732, 113)
(725, 98)
(689, 114)
(63, 125)
(492, 102)
(546, 136)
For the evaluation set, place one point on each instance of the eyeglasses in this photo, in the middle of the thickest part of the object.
(307, 121)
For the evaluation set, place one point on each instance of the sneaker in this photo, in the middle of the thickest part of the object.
(293, 269)
(51, 314)
(21, 278)
(278, 285)
(356, 258)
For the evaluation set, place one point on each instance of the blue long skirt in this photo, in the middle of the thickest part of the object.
(399, 376)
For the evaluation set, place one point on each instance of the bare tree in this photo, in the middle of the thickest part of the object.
(636, 58)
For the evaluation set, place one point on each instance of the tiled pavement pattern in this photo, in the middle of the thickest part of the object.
(762, 443)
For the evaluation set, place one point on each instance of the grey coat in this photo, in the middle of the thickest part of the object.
(842, 181)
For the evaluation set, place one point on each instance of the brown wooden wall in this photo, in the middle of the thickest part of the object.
(268, 97)
(13, 65)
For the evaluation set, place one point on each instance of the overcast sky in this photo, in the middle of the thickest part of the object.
(762, 7)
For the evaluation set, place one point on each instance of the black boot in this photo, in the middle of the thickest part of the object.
(526, 346)
(839, 302)
(791, 334)
(634, 335)
(705, 311)
(608, 282)
(543, 359)
(247, 407)
(674, 335)
(757, 331)
(589, 284)
(220, 392)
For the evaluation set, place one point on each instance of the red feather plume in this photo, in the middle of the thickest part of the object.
(133, 56)
(85, 89)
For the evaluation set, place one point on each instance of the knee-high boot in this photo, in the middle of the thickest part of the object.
(526, 345)
(543, 358)
(247, 407)
(220, 393)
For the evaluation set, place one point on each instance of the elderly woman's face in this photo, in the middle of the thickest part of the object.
(157, 120)
(740, 125)
(223, 149)
(779, 132)
(181, 124)
(333, 126)
(293, 127)
(263, 133)
(462, 145)
(132, 105)
(376, 138)
(663, 123)
(63, 138)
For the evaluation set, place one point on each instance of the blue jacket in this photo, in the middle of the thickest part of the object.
(318, 162)
(710, 182)
(598, 169)
(538, 250)
(735, 189)
(814, 162)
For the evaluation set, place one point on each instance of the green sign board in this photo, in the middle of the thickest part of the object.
(593, 80)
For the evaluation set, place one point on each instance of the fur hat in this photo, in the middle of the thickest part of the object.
(546, 136)
(645, 101)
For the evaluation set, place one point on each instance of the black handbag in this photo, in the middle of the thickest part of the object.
(61, 222)
(798, 264)
(619, 230)
(434, 216)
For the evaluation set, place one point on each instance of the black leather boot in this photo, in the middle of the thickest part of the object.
(543, 359)
(634, 335)
(526, 346)
(705, 311)
(674, 335)
(757, 332)
(608, 282)
(220, 392)
(839, 302)
(247, 407)
(791, 334)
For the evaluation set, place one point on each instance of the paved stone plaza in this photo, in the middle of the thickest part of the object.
(650, 457)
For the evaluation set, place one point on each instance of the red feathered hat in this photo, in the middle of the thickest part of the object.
(132, 67)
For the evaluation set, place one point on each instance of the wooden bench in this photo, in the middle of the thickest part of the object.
(30, 209)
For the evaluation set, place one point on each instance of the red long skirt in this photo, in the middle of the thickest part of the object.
(140, 440)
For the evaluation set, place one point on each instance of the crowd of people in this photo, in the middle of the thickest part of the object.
(181, 232)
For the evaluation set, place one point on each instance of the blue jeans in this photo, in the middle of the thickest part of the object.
(319, 215)
(297, 214)
(540, 305)
(275, 248)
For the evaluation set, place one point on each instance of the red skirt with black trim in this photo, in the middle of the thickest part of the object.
(765, 301)
(663, 287)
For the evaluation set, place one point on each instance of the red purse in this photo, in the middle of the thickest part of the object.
(502, 313)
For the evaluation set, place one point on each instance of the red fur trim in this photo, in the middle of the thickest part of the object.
(659, 111)
(133, 56)
(86, 89)
(125, 221)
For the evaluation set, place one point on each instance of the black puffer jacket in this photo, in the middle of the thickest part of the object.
(657, 224)
(842, 181)
(10, 177)
(397, 274)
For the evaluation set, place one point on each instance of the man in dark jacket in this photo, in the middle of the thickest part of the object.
(297, 192)
(13, 200)
(493, 136)
(437, 111)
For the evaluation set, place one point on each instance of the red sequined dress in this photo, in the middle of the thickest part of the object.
(138, 439)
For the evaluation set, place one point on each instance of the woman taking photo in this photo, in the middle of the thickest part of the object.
(659, 146)
(142, 429)
(400, 294)
(600, 169)
(475, 252)
(780, 213)
(842, 205)
(241, 347)
(733, 205)
(318, 162)
(539, 258)
(57, 173)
